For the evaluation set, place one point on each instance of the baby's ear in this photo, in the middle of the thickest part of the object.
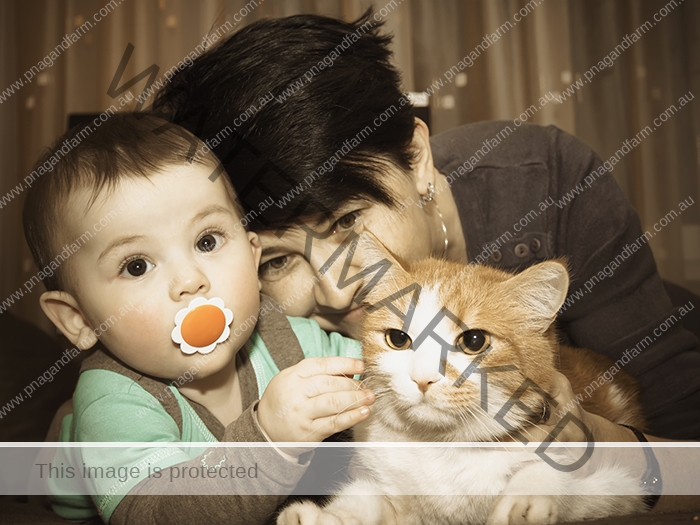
(256, 248)
(64, 312)
(540, 290)
(382, 270)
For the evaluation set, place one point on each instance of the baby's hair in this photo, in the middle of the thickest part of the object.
(97, 159)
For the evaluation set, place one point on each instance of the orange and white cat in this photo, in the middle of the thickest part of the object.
(443, 368)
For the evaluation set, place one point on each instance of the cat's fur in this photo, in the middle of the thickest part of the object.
(517, 311)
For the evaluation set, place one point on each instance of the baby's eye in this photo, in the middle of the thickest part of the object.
(136, 267)
(209, 242)
(346, 222)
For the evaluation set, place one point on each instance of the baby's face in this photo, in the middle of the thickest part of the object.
(157, 245)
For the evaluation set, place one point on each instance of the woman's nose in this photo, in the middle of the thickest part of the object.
(189, 283)
(336, 288)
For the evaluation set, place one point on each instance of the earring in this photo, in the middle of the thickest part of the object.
(430, 197)
(431, 192)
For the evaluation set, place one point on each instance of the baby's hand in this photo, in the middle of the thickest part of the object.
(314, 399)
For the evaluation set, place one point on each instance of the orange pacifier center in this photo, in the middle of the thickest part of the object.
(203, 325)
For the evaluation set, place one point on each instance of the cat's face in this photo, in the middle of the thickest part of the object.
(474, 316)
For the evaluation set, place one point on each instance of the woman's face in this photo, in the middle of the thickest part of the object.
(290, 264)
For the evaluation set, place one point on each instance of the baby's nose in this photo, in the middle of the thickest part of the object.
(189, 283)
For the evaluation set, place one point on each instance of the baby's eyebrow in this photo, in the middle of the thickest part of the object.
(120, 241)
(209, 210)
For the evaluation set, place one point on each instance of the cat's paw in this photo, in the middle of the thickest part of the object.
(307, 513)
(300, 514)
(524, 510)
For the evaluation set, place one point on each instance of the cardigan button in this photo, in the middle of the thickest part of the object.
(535, 245)
(521, 250)
(496, 256)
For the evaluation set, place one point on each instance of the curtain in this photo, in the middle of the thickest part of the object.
(513, 53)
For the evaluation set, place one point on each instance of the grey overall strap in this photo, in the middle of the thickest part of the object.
(277, 334)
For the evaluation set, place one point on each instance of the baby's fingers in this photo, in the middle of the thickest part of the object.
(329, 365)
(327, 426)
(335, 403)
(325, 384)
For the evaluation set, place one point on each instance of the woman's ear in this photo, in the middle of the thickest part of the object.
(423, 168)
(63, 311)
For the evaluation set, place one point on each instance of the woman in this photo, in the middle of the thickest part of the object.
(308, 117)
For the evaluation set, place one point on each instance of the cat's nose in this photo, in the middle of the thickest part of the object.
(423, 384)
(424, 370)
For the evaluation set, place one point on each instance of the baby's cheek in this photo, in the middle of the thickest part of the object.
(141, 326)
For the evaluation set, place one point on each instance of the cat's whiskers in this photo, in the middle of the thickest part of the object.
(471, 418)
(520, 423)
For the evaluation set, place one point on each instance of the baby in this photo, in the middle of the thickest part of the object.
(166, 280)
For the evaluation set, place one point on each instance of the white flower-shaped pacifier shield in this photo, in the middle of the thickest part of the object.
(202, 325)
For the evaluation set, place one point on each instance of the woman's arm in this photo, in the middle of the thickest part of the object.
(617, 304)
(543, 194)
(678, 470)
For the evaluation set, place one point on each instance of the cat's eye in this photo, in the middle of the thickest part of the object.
(397, 339)
(473, 342)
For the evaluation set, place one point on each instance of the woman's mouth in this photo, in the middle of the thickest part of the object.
(350, 316)
(355, 315)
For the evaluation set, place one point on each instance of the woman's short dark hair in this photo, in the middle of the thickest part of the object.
(305, 113)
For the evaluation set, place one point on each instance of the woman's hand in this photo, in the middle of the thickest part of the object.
(570, 422)
(314, 399)
(591, 426)
(676, 469)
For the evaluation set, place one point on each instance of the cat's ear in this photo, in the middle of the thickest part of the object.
(379, 261)
(540, 290)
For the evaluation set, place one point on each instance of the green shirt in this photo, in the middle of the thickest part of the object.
(109, 406)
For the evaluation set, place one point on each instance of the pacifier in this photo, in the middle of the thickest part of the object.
(202, 325)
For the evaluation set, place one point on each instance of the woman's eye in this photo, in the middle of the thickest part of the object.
(136, 267)
(278, 262)
(473, 342)
(346, 222)
(274, 266)
(209, 242)
(397, 339)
